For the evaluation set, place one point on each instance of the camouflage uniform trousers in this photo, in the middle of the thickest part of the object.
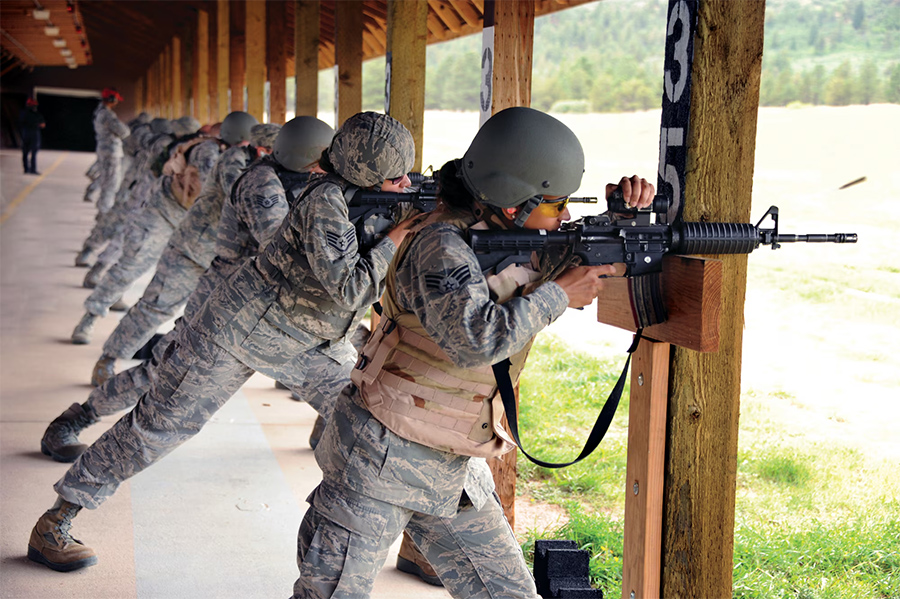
(110, 178)
(175, 280)
(143, 244)
(193, 380)
(346, 533)
(106, 227)
(123, 390)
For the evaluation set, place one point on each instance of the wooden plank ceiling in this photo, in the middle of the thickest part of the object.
(124, 37)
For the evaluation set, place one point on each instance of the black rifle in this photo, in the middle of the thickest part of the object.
(618, 237)
(624, 235)
(374, 212)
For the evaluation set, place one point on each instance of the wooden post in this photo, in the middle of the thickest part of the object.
(644, 471)
(236, 55)
(306, 57)
(255, 43)
(139, 102)
(167, 81)
(177, 89)
(348, 23)
(201, 79)
(223, 62)
(407, 32)
(704, 402)
(508, 43)
(278, 48)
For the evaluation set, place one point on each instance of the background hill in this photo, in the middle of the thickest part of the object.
(607, 57)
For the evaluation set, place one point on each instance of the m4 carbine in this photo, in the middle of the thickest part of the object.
(373, 213)
(617, 236)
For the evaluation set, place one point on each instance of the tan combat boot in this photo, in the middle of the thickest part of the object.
(119, 306)
(85, 330)
(411, 561)
(83, 259)
(52, 545)
(60, 440)
(104, 369)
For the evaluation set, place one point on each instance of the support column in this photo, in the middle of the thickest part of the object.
(177, 88)
(407, 32)
(255, 43)
(506, 63)
(306, 57)
(237, 68)
(348, 17)
(704, 402)
(278, 48)
(140, 104)
(167, 81)
(223, 62)
(201, 69)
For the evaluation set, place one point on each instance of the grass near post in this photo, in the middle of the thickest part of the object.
(814, 519)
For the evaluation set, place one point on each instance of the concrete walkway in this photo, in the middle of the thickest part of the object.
(216, 518)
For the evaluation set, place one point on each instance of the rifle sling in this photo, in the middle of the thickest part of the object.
(604, 419)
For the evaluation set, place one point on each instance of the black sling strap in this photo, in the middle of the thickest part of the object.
(507, 394)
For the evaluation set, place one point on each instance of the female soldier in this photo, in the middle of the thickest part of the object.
(398, 449)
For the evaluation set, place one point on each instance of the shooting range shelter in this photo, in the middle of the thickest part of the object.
(201, 57)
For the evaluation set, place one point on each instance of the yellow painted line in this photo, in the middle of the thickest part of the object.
(21, 197)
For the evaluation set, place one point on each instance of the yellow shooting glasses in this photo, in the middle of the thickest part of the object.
(552, 208)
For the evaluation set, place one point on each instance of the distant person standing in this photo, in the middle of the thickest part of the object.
(31, 121)
(110, 132)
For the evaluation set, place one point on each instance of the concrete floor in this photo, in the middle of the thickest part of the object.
(217, 518)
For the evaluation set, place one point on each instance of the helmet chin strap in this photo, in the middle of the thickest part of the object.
(525, 210)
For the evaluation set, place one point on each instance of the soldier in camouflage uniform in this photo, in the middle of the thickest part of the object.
(108, 224)
(246, 225)
(109, 132)
(145, 238)
(288, 313)
(190, 249)
(404, 447)
(132, 197)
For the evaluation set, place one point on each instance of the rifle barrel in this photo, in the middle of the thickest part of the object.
(817, 238)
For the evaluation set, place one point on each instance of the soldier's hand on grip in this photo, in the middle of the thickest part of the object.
(583, 283)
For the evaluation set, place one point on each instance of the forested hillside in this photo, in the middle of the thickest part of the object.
(607, 57)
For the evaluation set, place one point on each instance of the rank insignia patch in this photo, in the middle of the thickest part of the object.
(341, 243)
(449, 281)
(267, 202)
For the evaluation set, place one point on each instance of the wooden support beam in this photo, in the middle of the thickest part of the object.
(306, 57)
(278, 48)
(201, 78)
(167, 81)
(447, 15)
(704, 402)
(692, 288)
(510, 27)
(223, 62)
(644, 470)
(407, 33)
(348, 15)
(237, 67)
(255, 42)
(465, 10)
(177, 83)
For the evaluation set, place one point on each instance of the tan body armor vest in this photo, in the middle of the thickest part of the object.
(412, 387)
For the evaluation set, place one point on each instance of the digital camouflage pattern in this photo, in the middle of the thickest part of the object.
(109, 132)
(371, 147)
(147, 235)
(188, 254)
(218, 349)
(345, 535)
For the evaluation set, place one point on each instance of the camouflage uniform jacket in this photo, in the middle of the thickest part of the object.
(140, 192)
(326, 284)
(439, 281)
(203, 156)
(109, 131)
(196, 236)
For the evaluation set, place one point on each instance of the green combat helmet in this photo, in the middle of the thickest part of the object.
(520, 155)
(236, 127)
(300, 143)
(161, 126)
(371, 147)
(263, 136)
(186, 125)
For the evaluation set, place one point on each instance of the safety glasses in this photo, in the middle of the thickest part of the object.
(552, 208)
